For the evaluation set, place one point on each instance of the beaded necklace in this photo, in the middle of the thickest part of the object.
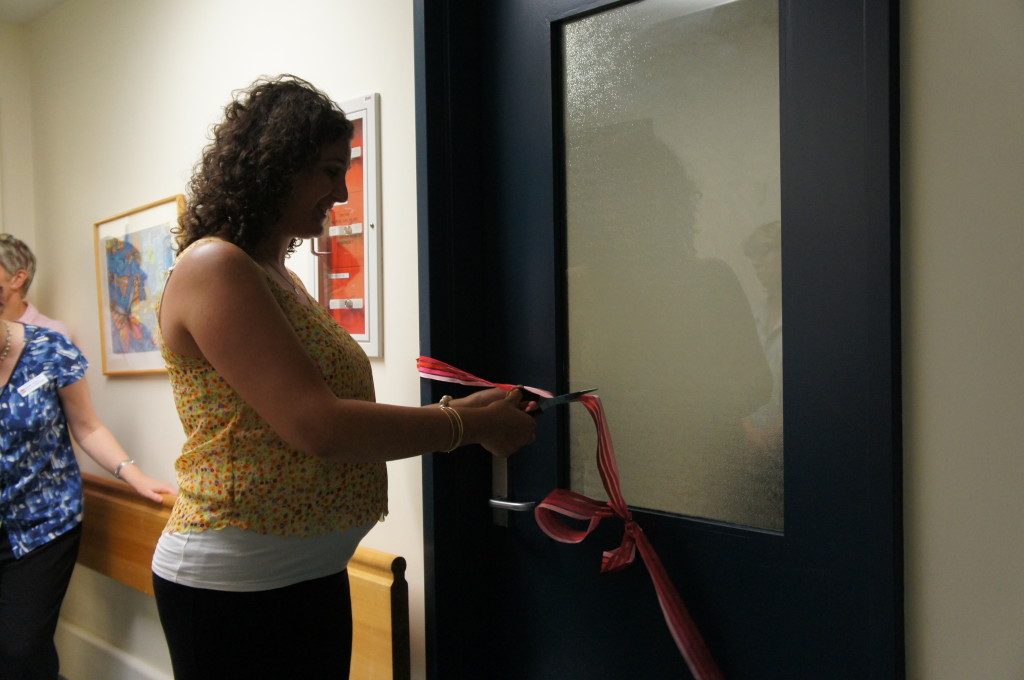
(7, 343)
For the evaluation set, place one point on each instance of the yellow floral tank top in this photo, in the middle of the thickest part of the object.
(234, 470)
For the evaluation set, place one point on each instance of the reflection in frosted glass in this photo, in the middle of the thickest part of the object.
(672, 154)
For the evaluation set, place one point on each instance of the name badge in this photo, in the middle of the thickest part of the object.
(33, 385)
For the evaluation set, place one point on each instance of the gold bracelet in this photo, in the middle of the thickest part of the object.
(457, 428)
(462, 429)
(451, 421)
(446, 399)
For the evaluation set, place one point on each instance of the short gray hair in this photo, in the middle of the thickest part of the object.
(15, 255)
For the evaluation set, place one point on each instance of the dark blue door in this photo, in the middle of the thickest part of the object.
(814, 595)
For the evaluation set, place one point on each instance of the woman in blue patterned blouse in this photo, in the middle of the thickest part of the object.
(43, 399)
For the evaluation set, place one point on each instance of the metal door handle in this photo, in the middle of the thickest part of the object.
(502, 504)
(312, 249)
(499, 503)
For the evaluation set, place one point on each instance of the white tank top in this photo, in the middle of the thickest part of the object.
(244, 561)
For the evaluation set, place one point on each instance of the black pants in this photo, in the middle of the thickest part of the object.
(300, 631)
(31, 591)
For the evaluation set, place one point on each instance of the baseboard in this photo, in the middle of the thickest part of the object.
(83, 656)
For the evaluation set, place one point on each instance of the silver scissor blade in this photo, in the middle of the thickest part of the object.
(543, 404)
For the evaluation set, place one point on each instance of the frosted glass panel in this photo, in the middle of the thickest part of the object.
(674, 254)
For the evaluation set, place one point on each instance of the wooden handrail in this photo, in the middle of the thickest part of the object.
(120, 531)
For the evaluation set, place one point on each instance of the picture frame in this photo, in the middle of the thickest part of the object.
(134, 252)
(347, 279)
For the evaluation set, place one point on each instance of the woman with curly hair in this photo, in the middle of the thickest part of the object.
(283, 469)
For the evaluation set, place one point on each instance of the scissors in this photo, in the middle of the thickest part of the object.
(544, 403)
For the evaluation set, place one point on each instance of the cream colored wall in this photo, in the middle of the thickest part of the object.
(123, 94)
(963, 245)
(17, 214)
(963, 291)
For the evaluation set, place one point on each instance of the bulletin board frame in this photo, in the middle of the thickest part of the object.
(349, 255)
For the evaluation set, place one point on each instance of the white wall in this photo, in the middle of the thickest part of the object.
(122, 96)
(963, 292)
(17, 215)
(124, 90)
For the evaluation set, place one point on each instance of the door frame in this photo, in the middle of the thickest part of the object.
(453, 265)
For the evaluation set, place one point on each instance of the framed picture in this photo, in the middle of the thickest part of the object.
(348, 256)
(134, 251)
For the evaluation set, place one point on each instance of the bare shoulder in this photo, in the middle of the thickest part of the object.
(215, 285)
(216, 267)
(209, 258)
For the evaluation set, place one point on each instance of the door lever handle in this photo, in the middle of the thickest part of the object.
(499, 503)
(502, 504)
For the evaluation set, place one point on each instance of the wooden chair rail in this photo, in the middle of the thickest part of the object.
(120, 531)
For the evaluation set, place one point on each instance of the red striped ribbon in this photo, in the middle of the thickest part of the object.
(561, 502)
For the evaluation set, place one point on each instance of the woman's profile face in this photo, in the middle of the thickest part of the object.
(315, 190)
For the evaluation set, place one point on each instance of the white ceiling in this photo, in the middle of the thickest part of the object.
(23, 12)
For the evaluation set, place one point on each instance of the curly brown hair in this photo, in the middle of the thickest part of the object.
(271, 130)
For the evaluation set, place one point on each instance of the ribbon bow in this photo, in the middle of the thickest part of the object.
(563, 503)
